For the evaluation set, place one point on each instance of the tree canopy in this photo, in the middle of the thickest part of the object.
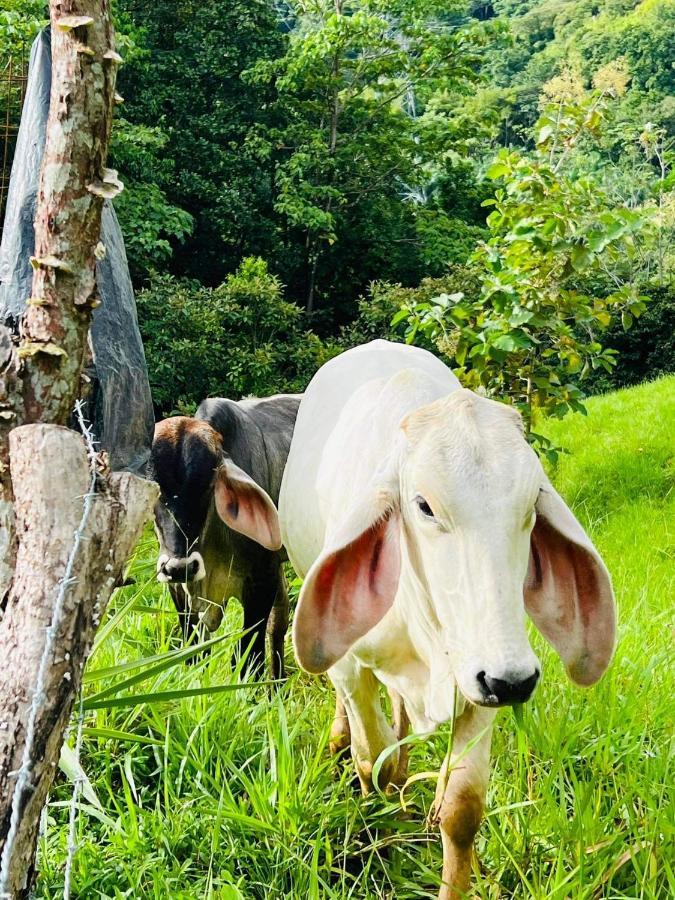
(351, 147)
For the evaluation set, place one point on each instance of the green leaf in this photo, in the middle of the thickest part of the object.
(581, 258)
(131, 700)
(545, 133)
(497, 170)
(516, 340)
(113, 734)
(505, 342)
(520, 316)
(89, 810)
(72, 769)
(165, 661)
(171, 657)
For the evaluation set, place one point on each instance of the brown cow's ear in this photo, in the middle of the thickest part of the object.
(349, 588)
(568, 591)
(245, 507)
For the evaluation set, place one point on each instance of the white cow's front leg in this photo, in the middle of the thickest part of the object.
(358, 692)
(340, 737)
(401, 726)
(460, 798)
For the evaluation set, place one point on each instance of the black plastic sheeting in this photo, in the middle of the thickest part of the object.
(120, 405)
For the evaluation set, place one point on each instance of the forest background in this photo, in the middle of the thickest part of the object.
(490, 179)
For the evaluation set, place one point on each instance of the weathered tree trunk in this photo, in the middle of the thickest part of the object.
(64, 539)
(42, 383)
(73, 183)
(51, 476)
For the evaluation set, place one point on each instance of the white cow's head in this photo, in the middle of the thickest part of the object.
(465, 513)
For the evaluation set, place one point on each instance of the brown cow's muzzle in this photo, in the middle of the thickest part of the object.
(171, 569)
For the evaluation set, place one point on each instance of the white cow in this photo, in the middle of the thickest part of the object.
(425, 528)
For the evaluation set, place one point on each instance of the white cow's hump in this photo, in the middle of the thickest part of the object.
(377, 359)
(337, 380)
(331, 389)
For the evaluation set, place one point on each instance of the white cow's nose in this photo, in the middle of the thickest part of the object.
(509, 688)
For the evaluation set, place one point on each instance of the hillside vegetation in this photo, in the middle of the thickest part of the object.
(231, 794)
(319, 156)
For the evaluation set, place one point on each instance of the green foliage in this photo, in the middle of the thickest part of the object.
(586, 35)
(533, 329)
(445, 239)
(641, 32)
(234, 795)
(645, 350)
(353, 143)
(237, 339)
(182, 86)
(151, 224)
(20, 21)
(347, 144)
(387, 306)
(149, 221)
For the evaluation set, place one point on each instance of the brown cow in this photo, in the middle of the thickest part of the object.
(219, 475)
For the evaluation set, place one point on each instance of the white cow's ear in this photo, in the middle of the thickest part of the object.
(349, 588)
(568, 591)
(245, 507)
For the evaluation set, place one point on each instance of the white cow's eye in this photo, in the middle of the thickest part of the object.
(424, 507)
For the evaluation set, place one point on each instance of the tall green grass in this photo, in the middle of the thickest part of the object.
(210, 786)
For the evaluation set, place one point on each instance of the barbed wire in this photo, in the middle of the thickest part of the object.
(24, 773)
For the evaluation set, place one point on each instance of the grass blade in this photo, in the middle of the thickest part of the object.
(130, 700)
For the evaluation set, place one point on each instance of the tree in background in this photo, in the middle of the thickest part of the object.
(153, 225)
(195, 179)
(346, 144)
(358, 135)
(585, 35)
(240, 338)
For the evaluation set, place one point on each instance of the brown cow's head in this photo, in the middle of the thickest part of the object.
(192, 471)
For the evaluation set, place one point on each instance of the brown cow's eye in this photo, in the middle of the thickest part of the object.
(424, 507)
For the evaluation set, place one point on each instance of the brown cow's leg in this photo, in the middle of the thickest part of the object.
(265, 605)
(257, 597)
(401, 725)
(460, 797)
(277, 626)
